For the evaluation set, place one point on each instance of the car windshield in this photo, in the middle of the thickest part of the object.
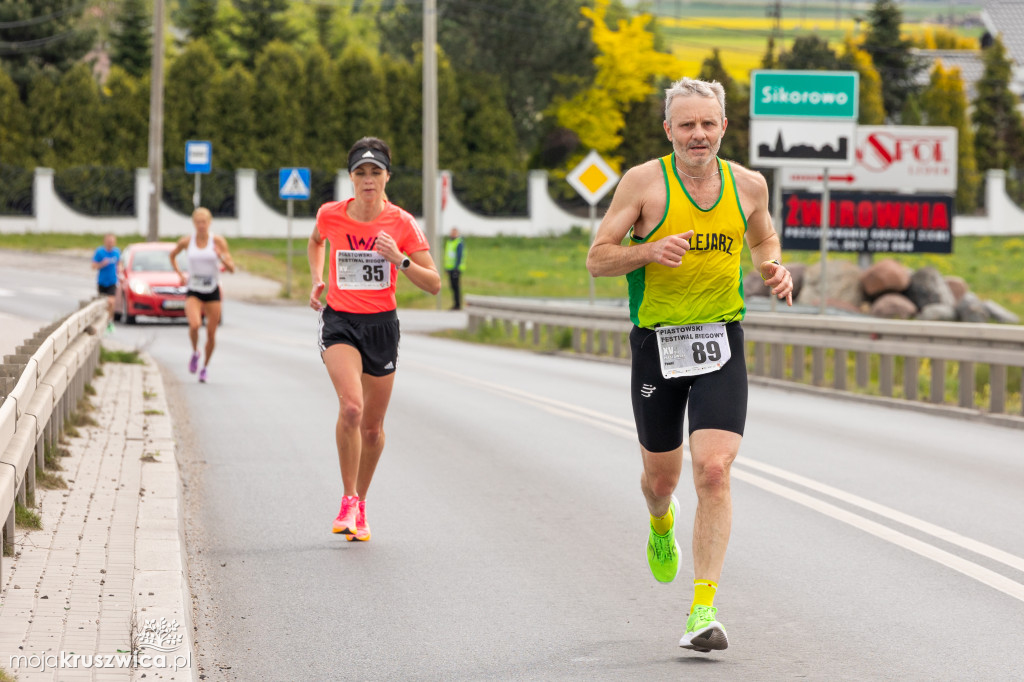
(157, 261)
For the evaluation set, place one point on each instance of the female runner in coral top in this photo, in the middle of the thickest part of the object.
(371, 241)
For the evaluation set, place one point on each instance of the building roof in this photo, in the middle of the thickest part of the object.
(968, 61)
(1006, 19)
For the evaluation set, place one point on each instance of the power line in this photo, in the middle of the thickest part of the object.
(44, 18)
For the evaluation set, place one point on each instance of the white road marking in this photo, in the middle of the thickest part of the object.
(7, 293)
(626, 428)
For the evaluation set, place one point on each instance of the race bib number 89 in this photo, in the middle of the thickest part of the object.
(362, 270)
(692, 349)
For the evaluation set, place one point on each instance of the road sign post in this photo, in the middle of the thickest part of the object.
(592, 178)
(198, 160)
(805, 118)
(293, 183)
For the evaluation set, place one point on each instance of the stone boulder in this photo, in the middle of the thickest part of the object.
(842, 287)
(971, 309)
(937, 311)
(893, 306)
(883, 277)
(958, 286)
(927, 285)
(998, 313)
(753, 286)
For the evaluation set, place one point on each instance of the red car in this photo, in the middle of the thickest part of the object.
(147, 284)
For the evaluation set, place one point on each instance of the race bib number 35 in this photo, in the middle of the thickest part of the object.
(362, 270)
(691, 349)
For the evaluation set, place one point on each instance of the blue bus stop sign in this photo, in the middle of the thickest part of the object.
(293, 183)
(198, 156)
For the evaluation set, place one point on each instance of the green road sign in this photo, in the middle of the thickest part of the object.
(804, 94)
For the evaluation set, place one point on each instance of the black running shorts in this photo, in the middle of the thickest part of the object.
(717, 400)
(206, 297)
(374, 335)
(107, 289)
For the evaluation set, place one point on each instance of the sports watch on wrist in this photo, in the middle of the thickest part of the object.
(406, 262)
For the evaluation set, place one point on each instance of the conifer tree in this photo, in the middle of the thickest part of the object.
(190, 113)
(999, 136)
(364, 106)
(944, 103)
(736, 141)
(132, 37)
(870, 109)
(15, 147)
(77, 115)
(232, 138)
(325, 140)
(36, 34)
(125, 107)
(279, 122)
(891, 55)
(42, 103)
(259, 23)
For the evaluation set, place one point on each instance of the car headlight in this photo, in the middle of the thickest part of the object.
(138, 287)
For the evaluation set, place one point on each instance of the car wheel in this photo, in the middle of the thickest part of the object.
(129, 319)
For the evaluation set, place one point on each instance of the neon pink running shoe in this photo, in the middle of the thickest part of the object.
(346, 521)
(193, 364)
(202, 375)
(362, 527)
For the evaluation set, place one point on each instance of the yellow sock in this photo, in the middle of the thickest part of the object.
(663, 524)
(703, 593)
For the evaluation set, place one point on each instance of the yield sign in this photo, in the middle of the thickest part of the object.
(592, 178)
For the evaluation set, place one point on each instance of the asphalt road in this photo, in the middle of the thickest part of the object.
(509, 531)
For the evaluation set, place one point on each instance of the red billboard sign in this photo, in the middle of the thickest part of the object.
(869, 222)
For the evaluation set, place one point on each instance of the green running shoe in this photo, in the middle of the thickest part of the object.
(703, 632)
(663, 550)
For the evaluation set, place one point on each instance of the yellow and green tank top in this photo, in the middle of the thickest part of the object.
(708, 286)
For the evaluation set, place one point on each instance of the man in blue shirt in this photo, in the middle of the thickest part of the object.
(104, 261)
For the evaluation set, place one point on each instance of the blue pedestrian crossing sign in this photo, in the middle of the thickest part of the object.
(198, 156)
(293, 183)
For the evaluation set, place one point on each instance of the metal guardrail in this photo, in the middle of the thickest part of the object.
(888, 359)
(40, 386)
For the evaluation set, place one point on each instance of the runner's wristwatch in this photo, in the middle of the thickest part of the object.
(406, 262)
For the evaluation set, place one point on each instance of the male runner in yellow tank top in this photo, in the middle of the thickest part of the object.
(686, 215)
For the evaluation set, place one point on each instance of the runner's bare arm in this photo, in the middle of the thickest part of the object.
(761, 236)
(423, 273)
(315, 254)
(607, 256)
(178, 248)
(223, 253)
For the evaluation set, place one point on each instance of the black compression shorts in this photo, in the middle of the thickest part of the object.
(374, 335)
(205, 297)
(717, 400)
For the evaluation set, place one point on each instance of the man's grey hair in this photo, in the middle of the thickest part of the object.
(685, 87)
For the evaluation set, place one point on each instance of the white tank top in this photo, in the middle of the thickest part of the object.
(203, 266)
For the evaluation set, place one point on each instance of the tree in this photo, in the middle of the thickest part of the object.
(35, 34)
(626, 66)
(326, 145)
(871, 110)
(944, 104)
(736, 143)
(491, 153)
(259, 23)
(198, 18)
(130, 39)
(405, 85)
(189, 113)
(809, 53)
(890, 53)
(279, 123)
(42, 103)
(233, 101)
(77, 113)
(363, 98)
(14, 126)
(999, 138)
(540, 49)
(125, 107)
(769, 61)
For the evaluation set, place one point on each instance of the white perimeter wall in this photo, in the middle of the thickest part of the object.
(256, 219)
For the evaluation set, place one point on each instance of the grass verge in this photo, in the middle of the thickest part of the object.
(26, 518)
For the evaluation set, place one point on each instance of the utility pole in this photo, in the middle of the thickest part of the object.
(156, 122)
(430, 126)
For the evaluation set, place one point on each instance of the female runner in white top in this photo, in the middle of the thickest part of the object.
(206, 252)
